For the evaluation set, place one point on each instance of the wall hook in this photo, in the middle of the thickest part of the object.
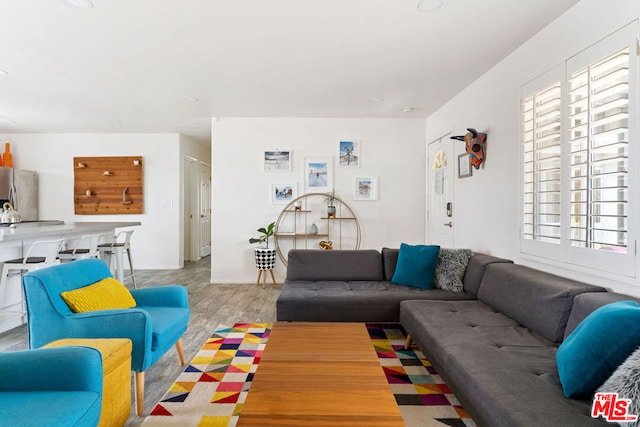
(124, 197)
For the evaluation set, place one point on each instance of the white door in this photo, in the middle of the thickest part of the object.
(205, 210)
(441, 167)
(190, 209)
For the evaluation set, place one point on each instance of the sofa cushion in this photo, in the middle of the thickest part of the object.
(452, 264)
(105, 294)
(600, 343)
(416, 266)
(351, 301)
(476, 267)
(534, 298)
(311, 264)
(585, 304)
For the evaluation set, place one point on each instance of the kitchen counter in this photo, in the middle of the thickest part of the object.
(35, 230)
(17, 238)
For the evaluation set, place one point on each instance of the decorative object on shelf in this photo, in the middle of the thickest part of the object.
(7, 157)
(464, 166)
(115, 184)
(283, 192)
(366, 188)
(266, 233)
(297, 206)
(277, 160)
(326, 245)
(313, 229)
(475, 145)
(349, 154)
(318, 174)
(330, 200)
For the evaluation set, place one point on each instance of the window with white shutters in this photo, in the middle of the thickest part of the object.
(599, 150)
(541, 121)
(579, 163)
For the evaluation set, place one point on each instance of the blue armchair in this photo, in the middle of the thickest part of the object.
(157, 323)
(51, 387)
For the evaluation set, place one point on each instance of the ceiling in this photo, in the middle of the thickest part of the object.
(171, 65)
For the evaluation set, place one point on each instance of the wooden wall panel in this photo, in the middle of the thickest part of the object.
(99, 184)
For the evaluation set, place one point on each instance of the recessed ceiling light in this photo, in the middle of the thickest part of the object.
(190, 99)
(429, 5)
(375, 99)
(81, 4)
(408, 109)
(115, 122)
(4, 73)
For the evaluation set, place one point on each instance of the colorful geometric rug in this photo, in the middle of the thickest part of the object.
(213, 388)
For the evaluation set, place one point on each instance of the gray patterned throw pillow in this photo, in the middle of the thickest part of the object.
(452, 263)
(626, 382)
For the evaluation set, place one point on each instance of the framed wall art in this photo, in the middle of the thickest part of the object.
(283, 192)
(464, 166)
(349, 154)
(365, 188)
(277, 160)
(318, 174)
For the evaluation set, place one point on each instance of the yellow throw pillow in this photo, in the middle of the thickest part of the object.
(106, 294)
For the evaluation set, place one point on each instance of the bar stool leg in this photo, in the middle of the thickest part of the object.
(133, 275)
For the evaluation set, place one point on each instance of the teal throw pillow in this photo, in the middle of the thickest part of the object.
(416, 266)
(598, 345)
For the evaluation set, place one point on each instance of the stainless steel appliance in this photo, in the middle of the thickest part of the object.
(20, 188)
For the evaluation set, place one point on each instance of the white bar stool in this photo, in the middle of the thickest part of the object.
(118, 248)
(42, 253)
(79, 252)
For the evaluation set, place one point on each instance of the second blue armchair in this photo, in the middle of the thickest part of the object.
(157, 323)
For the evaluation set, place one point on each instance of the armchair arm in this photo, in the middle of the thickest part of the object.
(162, 296)
(52, 369)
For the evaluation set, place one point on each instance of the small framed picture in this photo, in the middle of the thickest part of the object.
(365, 188)
(464, 166)
(349, 154)
(318, 174)
(283, 192)
(277, 160)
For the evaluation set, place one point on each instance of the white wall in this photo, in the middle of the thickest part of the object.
(392, 149)
(156, 244)
(487, 205)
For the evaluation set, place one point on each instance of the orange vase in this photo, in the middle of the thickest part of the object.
(7, 157)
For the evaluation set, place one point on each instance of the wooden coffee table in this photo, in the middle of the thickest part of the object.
(315, 374)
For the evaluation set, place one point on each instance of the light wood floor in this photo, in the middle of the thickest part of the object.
(210, 306)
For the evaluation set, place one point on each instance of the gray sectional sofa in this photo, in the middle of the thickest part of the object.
(494, 343)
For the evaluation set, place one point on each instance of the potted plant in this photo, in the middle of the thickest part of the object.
(265, 256)
(330, 199)
(266, 233)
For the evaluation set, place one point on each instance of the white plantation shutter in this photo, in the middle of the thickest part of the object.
(579, 163)
(541, 121)
(599, 152)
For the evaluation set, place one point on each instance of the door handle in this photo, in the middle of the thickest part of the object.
(448, 224)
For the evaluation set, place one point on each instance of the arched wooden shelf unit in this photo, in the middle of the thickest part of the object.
(293, 226)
